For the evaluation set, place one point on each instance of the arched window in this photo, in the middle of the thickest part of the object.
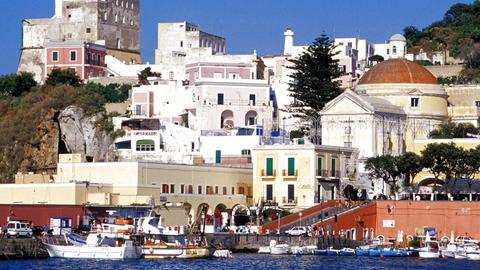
(394, 49)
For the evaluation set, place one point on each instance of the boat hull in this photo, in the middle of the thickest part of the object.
(88, 252)
(156, 252)
(428, 254)
(473, 256)
(320, 252)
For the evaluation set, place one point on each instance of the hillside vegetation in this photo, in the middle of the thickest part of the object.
(28, 112)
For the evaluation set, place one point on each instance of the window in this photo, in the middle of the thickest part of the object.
(216, 189)
(477, 103)
(414, 102)
(269, 192)
(251, 99)
(171, 75)
(269, 164)
(73, 56)
(89, 58)
(291, 166)
(394, 49)
(195, 74)
(105, 16)
(224, 189)
(199, 190)
(145, 145)
(181, 43)
(388, 51)
(99, 60)
(232, 76)
(55, 56)
(172, 188)
(319, 166)
(333, 174)
(291, 193)
(220, 98)
(182, 189)
(217, 75)
(89, 30)
(246, 152)
(233, 190)
(165, 188)
(349, 44)
(190, 189)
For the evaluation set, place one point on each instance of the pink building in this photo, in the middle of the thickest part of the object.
(219, 70)
(87, 59)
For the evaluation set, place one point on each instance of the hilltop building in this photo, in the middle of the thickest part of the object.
(116, 23)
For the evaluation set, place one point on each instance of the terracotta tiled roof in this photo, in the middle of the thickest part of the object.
(398, 71)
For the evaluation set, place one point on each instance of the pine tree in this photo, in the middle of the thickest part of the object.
(314, 75)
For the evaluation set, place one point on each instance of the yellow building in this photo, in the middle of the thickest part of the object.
(301, 174)
(425, 178)
(133, 184)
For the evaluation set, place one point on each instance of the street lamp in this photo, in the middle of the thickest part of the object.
(300, 215)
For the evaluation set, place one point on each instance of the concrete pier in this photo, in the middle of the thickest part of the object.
(22, 248)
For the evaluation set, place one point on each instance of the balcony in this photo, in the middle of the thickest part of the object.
(290, 174)
(272, 202)
(271, 175)
(289, 201)
(323, 174)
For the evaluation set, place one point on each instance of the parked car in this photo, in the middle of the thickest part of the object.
(37, 230)
(19, 229)
(297, 230)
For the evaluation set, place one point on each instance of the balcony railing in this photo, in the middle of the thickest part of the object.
(272, 202)
(289, 173)
(292, 201)
(323, 173)
(268, 174)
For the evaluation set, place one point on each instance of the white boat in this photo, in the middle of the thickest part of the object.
(450, 250)
(469, 251)
(281, 249)
(264, 250)
(97, 247)
(431, 249)
(222, 253)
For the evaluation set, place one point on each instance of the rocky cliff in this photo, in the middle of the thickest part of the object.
(66, 131)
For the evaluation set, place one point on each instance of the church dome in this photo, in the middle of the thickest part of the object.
(397, 37)
(398, 71)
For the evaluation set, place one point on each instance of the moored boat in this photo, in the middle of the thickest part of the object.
(97, 247)
(280, 249)
(163, 251)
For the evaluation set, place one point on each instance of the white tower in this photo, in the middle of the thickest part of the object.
(287, 48)
(397, 44)
(58, 9)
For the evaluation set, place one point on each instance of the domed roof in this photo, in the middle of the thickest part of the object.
(397, 37)
(398, 71)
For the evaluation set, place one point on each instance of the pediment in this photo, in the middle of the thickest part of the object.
(347, 103)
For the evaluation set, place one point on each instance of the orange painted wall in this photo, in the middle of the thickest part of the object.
(446, 216)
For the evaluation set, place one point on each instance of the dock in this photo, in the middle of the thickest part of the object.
(22, 248)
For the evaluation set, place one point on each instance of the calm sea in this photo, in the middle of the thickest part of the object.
(245, 262)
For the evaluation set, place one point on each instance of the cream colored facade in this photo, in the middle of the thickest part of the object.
(425, 178)
(132, 183)
(301, 175)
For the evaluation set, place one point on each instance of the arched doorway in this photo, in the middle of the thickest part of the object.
(226, 119)
(241, 215)
(220, 217)
(251, 118)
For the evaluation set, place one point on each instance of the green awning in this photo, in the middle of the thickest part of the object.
(145, 142)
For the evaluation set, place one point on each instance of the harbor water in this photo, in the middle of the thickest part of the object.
(246, 261)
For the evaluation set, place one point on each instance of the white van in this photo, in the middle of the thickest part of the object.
(19, 229)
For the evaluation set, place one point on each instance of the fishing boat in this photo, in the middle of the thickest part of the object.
(467, 251)
(173, 250)
(96, 247)
(222, 253)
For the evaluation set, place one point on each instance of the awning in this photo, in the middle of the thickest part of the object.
(145, 142)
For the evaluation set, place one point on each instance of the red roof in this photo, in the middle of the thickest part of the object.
(398, 71)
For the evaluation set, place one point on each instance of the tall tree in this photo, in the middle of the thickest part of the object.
(409, 165)
(16, 84)
(452, 130)
(384, 167)
(313, 80)
(441, 158)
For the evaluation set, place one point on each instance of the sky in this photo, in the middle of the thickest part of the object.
(249, 25)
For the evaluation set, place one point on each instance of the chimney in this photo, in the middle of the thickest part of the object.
(287, 48)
